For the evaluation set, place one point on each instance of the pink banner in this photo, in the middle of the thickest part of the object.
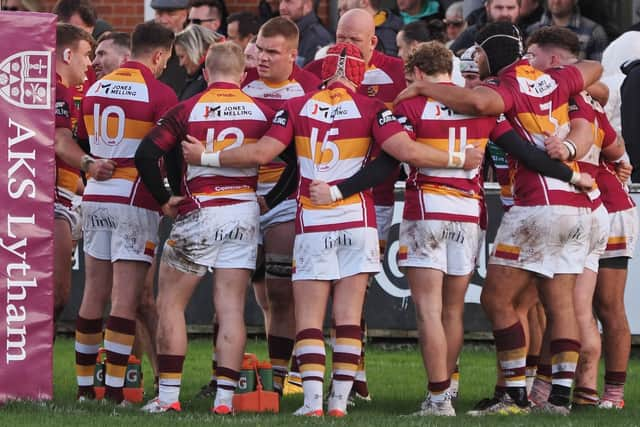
(27, 179)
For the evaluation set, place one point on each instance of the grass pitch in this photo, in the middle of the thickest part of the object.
(396, 380)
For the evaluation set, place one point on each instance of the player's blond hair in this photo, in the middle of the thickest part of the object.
(225, 58)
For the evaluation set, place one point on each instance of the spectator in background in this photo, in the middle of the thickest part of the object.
(81, 14)
(387, 23)
(625, 48)
(531, 11)
(268, 9)
(191, 47)
(415, 33)
(22, 6)
(565, 13)
(417, 10)
(207, 13)
(113, 50)
(496, 10)
(418, 32)
(313, 35)
(242, 27)
(454, 22)
(630, 112)
(251, 54)
(172, 14)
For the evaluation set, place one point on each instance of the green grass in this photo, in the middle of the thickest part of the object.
(396, 379)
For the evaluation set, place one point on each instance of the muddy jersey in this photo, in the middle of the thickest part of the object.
(384, 80)
(537, 103)
(66, 176)
(118, 111)
(222, 117)
(583, 106)
(443, 193)
(274, 96)
(334, 131)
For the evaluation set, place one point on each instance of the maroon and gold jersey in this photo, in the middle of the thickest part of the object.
(78, 93)
(274, 96)
(222, 117)
(537, 103)
(118, 111)
(67, 177)
(583, 106)
(383, 80)
(334, 131)
(441, 193)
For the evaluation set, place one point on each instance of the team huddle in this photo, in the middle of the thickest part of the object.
(284, 177)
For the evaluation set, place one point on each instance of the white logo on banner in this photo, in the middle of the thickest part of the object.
(25, 79)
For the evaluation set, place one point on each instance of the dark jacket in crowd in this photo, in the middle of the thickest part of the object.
(174, 75)
(194, 84)
(387, 26)
(630, 114)
(313, 36)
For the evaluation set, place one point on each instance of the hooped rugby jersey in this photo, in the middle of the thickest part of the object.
(222, 117)
(442, 193)
(118, 111)
(274, 96)
(384, 80)
(67, 177)
(583, 106)
(334, 131)
(537, 103)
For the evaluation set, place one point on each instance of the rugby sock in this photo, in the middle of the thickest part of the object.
(455, 381)
(294, 371)
(227, 383)
(280, 349)
(88, 340)
(437, 391)
(346, 357)
(541, 387)
(118, 340)
(530, 372)
(614, 386)
(360, 379)
(585, 396)
(564, 359)
(512, 354)
(170, 369)
(310, 354)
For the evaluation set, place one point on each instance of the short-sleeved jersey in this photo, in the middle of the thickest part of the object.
(614, 193)
(334, 132)
(66, 176)
(536, 103)
(583, 106)
(384, 80)
(441, 193)
(274, 96)
(222, 117)
(118, 111)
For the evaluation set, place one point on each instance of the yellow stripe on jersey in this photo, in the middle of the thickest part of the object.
(133, 129)
(238, 190)
(224, 96)
(442, 144)
(439, 189)
(128, 173)
(348, 148)
(269, 174)
(540, 123)
(308, 204)
(129, 75)
(67, 180)
(333, 96)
